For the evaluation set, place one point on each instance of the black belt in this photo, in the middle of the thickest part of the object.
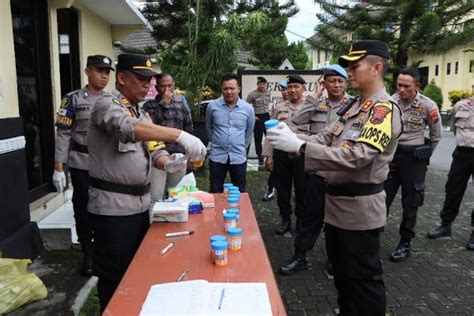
(405, 150)
(137, 190)
(354, 189)
(78, 147)
(465, 149)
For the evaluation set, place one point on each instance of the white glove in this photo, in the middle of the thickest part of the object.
(59, 180)
(283, 138)
(176, 162)
(193, 145)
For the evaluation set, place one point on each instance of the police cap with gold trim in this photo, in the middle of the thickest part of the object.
(99, 61)
(362, 49)
(138, 64)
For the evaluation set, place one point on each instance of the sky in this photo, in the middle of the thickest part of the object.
(302, 23)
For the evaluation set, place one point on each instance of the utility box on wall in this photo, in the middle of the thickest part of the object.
(19, 237)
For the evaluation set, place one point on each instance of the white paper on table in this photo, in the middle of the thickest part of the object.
(200, 297)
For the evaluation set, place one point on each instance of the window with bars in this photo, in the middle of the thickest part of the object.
(64, 47)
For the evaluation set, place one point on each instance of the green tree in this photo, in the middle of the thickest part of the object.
(198, 39)
(298, 55)
(422, 26)
(269, 45)
(434, 92)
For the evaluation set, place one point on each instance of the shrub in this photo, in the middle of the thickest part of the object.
(457, 95)
(433, 92)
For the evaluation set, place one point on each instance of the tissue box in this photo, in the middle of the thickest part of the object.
(176, 211)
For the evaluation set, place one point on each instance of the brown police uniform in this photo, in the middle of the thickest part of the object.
(317, 114)
(356, 149)
(120, 171)
(409, 165)
(260, 102)
(462, 166)
(287, 171)
(72, 122)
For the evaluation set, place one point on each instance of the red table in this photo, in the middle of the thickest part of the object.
(250, 264)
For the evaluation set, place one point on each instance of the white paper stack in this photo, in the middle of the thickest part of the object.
(200, 297)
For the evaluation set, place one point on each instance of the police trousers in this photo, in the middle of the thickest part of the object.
(258, 131)
(116, 239)
(357, 270)
(289, 172)
(80, 198)
(409, 173)
(311, 220)
(462, 169)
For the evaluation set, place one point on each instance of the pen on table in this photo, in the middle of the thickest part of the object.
(222, 298)
(182, 275)
(178, 234)
(165, 250)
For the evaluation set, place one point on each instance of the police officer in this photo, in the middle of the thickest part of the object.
(288, 170)
(71, 148)
(356, 150)
(120, 161)
(260, 99)
(283, 85)
(409, 165)
(319, 112)
(462, 168)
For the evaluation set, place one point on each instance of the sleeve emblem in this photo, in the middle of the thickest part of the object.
(377, 131)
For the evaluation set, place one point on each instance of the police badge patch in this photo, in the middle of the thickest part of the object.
(379, 113)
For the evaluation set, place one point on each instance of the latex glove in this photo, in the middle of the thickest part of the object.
(59, 180)
(193, 145)
(176, 162)
(284, 139)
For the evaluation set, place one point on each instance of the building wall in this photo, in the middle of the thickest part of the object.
(462, 80)
(8, 86)
(95, 37)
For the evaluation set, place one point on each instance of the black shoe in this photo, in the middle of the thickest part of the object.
(269, 195)
(401, 253)
(294, 265)
(470, 243)
(284, 227)
(329, 268)
(440, 231)
(261, 162)
(86, 266)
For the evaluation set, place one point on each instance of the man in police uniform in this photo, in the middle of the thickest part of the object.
(71, 148)
(121, 154)
(409, 165)
(283, 85)
(288, 171)
(462, 168)
(356, 150)
(318, 112)
(260, 99)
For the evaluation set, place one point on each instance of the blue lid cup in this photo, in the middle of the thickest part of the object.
(214, 238)
(234, 231)
(273, 123)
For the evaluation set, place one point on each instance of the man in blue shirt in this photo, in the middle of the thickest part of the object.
(229, 123)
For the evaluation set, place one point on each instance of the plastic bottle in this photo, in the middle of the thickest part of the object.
(235, 238)
(233, 202)
(271, 123)
(214, 238)
(219, 249)
(230, 221)
(226, 188)
(235, 211)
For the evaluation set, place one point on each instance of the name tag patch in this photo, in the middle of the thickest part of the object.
(377, 132)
